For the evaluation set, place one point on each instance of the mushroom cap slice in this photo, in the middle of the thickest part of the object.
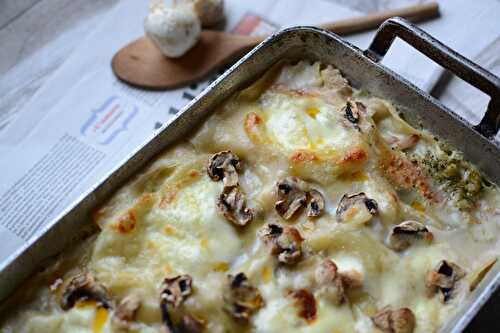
(356, 207)
(316, 204)
(406, 232)
(224, 165)
(232, 204)
(291, 196)
(443, 279)
(83, 286)
(241, 299)
(285, 242)
(395, 321)
(176, 289)
(351, 111)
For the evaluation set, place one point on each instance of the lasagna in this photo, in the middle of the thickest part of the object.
(300, 205)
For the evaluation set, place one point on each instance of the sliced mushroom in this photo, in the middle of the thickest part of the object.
(316, 204)
(351, 111)
(241, 299)
(83, 286)
(305, 303)
(232, 203)
(285, 242)
(176, 289)
(291, 196)
(190, 324)
(126, 310)
(330, 283)
(224, 165)
(395, 321)
(403, 234)
(357, 208)
(443, 279)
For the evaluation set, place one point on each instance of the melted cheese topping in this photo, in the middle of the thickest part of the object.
(292, 122)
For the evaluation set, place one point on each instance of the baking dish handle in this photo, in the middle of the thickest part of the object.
(447, 58)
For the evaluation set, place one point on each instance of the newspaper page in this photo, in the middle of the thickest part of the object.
(83, 121)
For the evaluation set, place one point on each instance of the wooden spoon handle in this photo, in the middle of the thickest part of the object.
(414, 14)
(417, 13)
(141, 64)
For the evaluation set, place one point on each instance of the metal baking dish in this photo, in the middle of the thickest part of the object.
(362, 69)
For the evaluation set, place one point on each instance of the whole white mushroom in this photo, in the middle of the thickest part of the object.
(174, 30)
(210, 12)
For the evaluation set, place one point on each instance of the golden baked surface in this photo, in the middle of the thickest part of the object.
(300, 205)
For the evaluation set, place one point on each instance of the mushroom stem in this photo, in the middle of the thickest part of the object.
(165, 318)
(285, 242)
